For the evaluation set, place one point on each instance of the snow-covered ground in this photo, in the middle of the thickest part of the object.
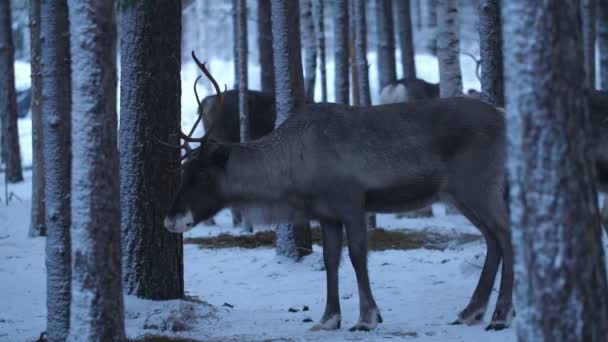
(419, 291)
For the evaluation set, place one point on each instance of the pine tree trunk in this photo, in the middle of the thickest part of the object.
(386, 43)
(318, 9)
(293, 240)
(266, 59)
(589, 22)
(406, 39)
(242, 69)
(490, 47)
(360, 47)
(352, 56)
(9, 134)
(37, 224)
(431, 25)
(602, 42)
(341, 77)
(448, 50)
(55, 104)
(561, 290)
(97, 312)
(417, 5)
(602, 45)
(149, 112)
(361, 51)
(310, 50)
(235, 45)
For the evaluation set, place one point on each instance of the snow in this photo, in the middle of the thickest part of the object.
(418, 291)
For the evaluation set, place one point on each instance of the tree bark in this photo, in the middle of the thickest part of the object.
(150, 88)
(589, 22)
(448, 50)
(97, 312)
(37, 223)
(561, 290)
(11, 155)
(431, 25)
(310, 50)
(602, 42)
(266, 59)
(55, 104)
(360, 48)
(490, 47)
(341, 76)
(352, 56)
(406, 39)
(361, 51)
(386, 43)
(293, 240)
(320, 34)
(242, 69)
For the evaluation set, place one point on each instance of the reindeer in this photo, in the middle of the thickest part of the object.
(224, 118)
(410, 89)
(332, 163)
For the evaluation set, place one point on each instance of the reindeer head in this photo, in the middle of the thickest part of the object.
(199, 196)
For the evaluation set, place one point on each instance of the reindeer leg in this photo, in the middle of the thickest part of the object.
(332, 250)
(503, 313)
(369, 315)
(476, 309)
(489, 214)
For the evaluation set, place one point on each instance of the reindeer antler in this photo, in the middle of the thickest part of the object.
(187, 138)
(477, 64)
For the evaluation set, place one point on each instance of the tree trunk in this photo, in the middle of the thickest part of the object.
(266, 58)
(204, 33)
(360, 48)
(431, 25)
(602, 42)
(293, 240)
(417, 5)
(310, 50)
(589, 22)
(150, 111)
(386, 43)
(11, 156)
(341, 76)
(37, 224)
(55, 104)
(352, 56)
(242, 69)
(243, 84)
(561, 290)
(97, 301)
(448, 50)
(235, 45)
(320, 34)
(490, 47)
(406, 39)
(361, 51)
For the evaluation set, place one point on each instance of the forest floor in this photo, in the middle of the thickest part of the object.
(423, 271)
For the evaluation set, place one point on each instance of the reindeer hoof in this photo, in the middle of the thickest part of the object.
(368, 326)
(332, 323)
(469, 317)
(362, 326)
(496, 326)
(501, 319)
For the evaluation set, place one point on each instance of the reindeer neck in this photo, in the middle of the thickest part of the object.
(252, 172)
